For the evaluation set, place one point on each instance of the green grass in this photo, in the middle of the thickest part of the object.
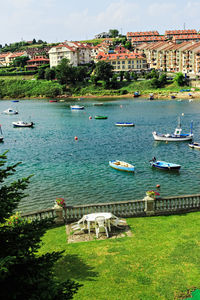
(160, 261)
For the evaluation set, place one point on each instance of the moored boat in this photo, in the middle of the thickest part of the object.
(76, 107)
(136, 94)
(177, 136)
(100, 117)
(151, 97)
(121, 166)
(53, 101)
(125, 124)
(194, 145)
(15, 100)
(98, 104)
(22, 124)
(10, 111)
(163, 165)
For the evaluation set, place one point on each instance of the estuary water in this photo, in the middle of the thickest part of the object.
(79, 170)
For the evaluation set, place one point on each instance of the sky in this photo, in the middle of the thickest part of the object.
(60, 20)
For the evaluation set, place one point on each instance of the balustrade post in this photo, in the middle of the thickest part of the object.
(59, 214)
(149, 205)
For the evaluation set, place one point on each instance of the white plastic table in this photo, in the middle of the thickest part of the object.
(91, 218)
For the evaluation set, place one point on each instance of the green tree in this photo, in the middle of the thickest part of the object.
(180, 79)
(23, 273)
(127, 76)
(104, 71)
(49, 74)
(34, 41)
(134, 75)
(113, 33)
(20, 61)
(121, 74)
(65, 72)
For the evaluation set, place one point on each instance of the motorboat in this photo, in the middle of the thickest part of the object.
(121, 166)
(10, 111)
(51, 101)
(101, 117)
(22, 124)
(1, 135)
(125, 124)
(163, 165)
(194, 145)
(15, 100)
(177, 136)
(151, 97)
(76, 107)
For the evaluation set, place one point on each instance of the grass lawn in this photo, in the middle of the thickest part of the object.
(160, 261)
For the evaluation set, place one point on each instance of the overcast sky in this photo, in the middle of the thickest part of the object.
(59, 20)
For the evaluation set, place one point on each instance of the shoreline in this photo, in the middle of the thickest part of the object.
(157, 96)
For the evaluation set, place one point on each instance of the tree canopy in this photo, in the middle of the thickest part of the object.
(23, 273)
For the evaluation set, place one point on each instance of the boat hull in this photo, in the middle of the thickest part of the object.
(124, 124)
(171, 138)
(100, 117)
(129, 168)
(76, 107)
(162, 165)
(23, 125)
(194, 146)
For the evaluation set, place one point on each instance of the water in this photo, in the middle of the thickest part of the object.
(79, 170)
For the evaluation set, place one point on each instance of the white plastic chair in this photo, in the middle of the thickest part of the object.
(100, 223)
(118, 222)
(78, 226)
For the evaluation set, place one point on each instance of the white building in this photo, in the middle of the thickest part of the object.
(76, 52)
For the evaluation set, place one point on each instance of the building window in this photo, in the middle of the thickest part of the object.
(123, 62)
(118, 67)
(118, 62)
(123, 67)
(114, 63)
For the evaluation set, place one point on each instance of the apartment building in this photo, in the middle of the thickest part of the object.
(172, 57)
(4, 59)
(36, 62)
(14, 55)
(173, 33)
(77, 53)
(124, 61)
(131, 35)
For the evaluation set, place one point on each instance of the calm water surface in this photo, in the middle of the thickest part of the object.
(79, 170)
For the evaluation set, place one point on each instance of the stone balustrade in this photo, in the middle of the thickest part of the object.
(125, 209)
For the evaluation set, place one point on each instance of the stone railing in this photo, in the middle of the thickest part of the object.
(126, 209)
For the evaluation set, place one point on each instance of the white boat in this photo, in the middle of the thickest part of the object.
(22, 124)
(77, 107)
(10, 111)
(121, 166)
(124, 124)
(163, 165)
(194, 145)
(1, 135)
(177, 136)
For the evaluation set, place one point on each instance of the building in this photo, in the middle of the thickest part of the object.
(15, 55)
(142, 34)
(77, 53)
(124, 61)
(172, 33)
(4, 59)
(36, 62)
(172, 57)
(102, 35)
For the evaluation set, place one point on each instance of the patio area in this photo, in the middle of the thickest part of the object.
(76, 236)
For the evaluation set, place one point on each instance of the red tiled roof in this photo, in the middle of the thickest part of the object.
(144, 33)
(178, 32)
(17, 54)
(187, 36)
(149, 38)
(103, 56)
(38, 59)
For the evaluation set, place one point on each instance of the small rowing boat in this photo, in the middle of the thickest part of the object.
(1, 135)
(100, 117)
(163, 165)
(124, 124)
(121, 166)
(194, 145)
(76, 107)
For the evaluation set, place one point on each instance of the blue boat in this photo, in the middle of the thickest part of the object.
(124, 124)
(163, 165)
(15, 100)
(121, 166)
(136, 94)
(76, 107)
